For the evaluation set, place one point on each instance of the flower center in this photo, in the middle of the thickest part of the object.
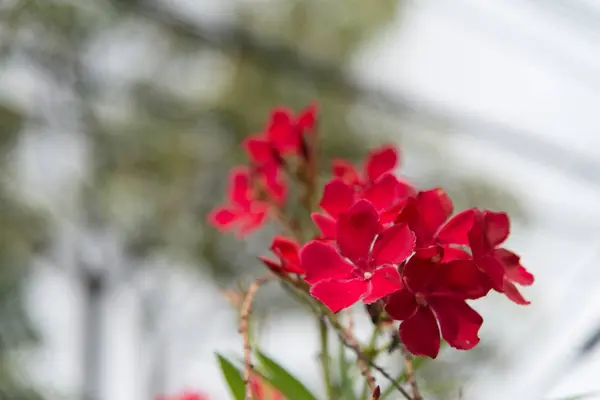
(368, 275)
(420, 298)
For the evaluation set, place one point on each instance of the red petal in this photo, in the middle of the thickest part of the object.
(394, 245)
(434, 207)
(271, 264)
(307, 117)
(222, 218)
(494, 271)
(280, 130)
(497, 227)
(345, 171)
(420, 333)
(254, 219)
(326, 225)
(457, 228)
(453, 253)
(239, 187)
(337, 295)
(275, 187)
(288, 252)
(513, 269)
(459, 323)
(337, 197)
(380, 161)
(511, 291)
(356, 230)
(419, 272)
(258, 149)
(401, 305)
(460, 278)
(383, 192)
(385, 281)
(322, 262)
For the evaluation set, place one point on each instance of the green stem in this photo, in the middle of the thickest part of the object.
(324, 356)
(372, 354)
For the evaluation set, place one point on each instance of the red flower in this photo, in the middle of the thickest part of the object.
(185, 396)
(243, 211)
(434, 293)
(283, 135)
(427, 213)
(365, 267)
(289, 260)
(261, 391)
(501, 267)
(379, 161)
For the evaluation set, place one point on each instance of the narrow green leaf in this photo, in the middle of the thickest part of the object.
(233, 377)
(282, 380)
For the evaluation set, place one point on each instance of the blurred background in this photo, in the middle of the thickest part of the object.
(120, 118)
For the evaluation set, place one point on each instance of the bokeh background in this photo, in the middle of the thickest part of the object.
(120, 118)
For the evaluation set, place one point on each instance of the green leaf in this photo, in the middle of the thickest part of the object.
(233, 377)
(282, 380)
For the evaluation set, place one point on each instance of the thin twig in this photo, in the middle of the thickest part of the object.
(350, 341)
(245, 314)
(410, 373)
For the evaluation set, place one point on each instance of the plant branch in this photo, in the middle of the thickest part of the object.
(324, 357)
(245, 314)
(410, 373)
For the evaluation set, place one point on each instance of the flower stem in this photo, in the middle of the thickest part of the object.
(324, 356)
(372, 354)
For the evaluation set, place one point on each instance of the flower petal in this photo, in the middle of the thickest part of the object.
(326, 225)
(456, 230)
(271, 264)
(434, 207)
(258, 149)
(497, 227)
(321, 262)
(239, 187)
(281, 132)
(385, 281)
(288, 252)
(223, 218)
(511, 291)
(419, 272)
(383, 192)
(345, 171)
(356, 230)
(461, 279)
(494, 270)
(401, 304)
(337, 198)
(420, 333)
(513, 269)
(337, 295)
(380, 161)
(459, 323)
(306, 118)
(394, 245)
(253, 219)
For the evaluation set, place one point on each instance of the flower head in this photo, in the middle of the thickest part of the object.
(364, 266)
(432, 300)
(289, 260)
(244, 210)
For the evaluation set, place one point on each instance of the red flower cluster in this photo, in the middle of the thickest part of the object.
(253, 189)
(381, 240)
(399, 243)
